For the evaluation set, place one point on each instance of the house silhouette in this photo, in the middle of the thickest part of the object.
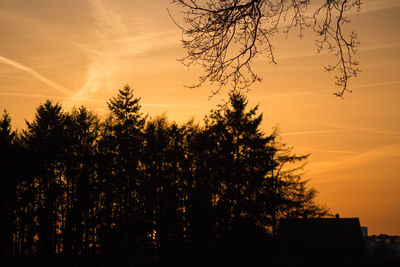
(321, 242)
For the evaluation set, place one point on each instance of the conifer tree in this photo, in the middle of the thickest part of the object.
(131, 192)
(121, 145)
(288, 195)
(236, 156)
(82, 192)
(42, 187)
(8, 177)
(240, 156)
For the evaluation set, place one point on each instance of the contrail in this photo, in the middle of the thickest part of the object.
(370, 130)
(94, 100)
(315, 53)
(308, 149)
(306, 92)
(361, 158)
(35, 74)
(319, 132)
(32, 95)
(109, 27)
(373, 5)
(117, 40)
(376, 84)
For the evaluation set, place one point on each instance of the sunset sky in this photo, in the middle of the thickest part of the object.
(80, 52)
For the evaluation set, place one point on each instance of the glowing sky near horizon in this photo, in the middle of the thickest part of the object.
(81, 52)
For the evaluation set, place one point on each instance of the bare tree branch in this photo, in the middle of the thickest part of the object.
(224, 36)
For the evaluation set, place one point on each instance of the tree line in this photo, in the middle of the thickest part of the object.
(129, 190)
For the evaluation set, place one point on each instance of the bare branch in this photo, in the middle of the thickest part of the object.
(224, 36)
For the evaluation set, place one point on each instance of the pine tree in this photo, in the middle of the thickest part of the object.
(288, 195)
(82, 195)
(121, 145)
(236, 156)
(240, 156)
(42, 187)
(8, 179)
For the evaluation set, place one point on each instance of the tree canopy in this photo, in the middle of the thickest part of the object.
(128, 190)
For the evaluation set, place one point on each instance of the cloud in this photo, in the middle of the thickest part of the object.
(308, 150)
(103, 63)
(328, 131)
(94, 100)
(112, 54)
(320, 132)
(379, 47)
(376, 84)
(47, 97)
(32, 95)
(360, 48)
(374, 5)
(355, 161)
(368, 6)
(294, 92)
(35, 74)
(173, 105)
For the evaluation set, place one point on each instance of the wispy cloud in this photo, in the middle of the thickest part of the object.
(116, 44)
(319, 132)
(294, 92)
(42, 96)
(368, 5)
(35, 74)
(308, 150)
(379, 46)
(316, 54)
(328, 131)
(376, 84)
(373, 5)
(108, 28)
(355, 161)
(94, 100)
(173, 105)
(32, 95)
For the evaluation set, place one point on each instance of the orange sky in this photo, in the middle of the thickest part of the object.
(81, 52)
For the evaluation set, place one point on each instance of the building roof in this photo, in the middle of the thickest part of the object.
(321, 242)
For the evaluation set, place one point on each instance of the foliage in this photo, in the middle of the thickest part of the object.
(136, 191)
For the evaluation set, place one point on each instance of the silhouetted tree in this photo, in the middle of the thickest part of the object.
(224, 37)
(42, 189)
(237, 156)
(82, 196)
(121, 145)
(158, 189)
(285, 188)
(129, 191)
(8, 178)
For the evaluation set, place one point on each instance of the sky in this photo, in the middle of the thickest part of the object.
(80, 52)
